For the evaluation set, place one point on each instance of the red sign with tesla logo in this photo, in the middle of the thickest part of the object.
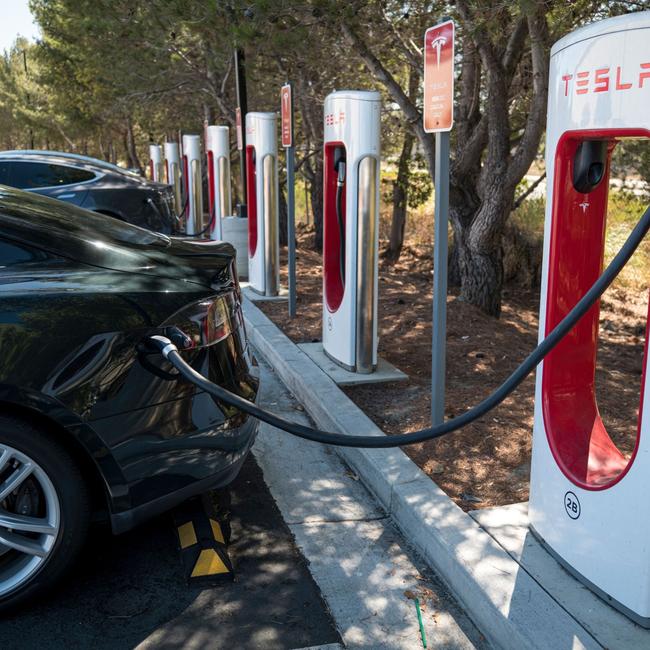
(286, 106)
(240, 139)
(439, 77)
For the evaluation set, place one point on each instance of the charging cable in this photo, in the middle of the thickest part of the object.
(210, 223)
(171, 353)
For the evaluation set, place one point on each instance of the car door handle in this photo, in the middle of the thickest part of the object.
(66, 196)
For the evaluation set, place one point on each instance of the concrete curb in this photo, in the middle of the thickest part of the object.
(506, 603)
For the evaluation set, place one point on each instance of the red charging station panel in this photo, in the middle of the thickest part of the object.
(251, 198)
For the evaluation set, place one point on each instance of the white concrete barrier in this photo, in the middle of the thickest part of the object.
(235, 232)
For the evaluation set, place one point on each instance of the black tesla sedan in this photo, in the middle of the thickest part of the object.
(92, 184)
(91, 421)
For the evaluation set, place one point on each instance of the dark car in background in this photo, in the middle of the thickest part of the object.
(92, 421)
(92, 184)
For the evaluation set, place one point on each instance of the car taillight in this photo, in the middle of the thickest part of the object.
(201, 323)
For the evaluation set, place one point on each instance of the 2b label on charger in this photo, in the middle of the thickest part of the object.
(572, 505)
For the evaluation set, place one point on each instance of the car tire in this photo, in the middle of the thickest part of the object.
(44, 520)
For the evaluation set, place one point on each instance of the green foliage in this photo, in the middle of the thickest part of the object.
(623, 212)
(420, 188)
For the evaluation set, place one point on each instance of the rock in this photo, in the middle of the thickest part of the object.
(470, 498)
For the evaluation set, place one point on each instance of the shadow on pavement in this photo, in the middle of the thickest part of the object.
(129, 591)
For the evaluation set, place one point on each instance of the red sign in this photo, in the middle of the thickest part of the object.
(439, 77)
(286, 106)
(240, 139)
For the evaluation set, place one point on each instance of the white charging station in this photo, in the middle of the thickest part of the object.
(218, 146)
(263, 203)
(350, 228)
(193, 184)
(589, 503)
(173, 173)
(156, 163)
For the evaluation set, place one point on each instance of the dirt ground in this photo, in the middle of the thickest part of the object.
(488, 462)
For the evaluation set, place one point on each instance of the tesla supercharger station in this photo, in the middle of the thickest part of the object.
(589, 503)
(218, 145)
(193, 183)
(350, 228)
(263, 206)
(173, 173)
(156, 162)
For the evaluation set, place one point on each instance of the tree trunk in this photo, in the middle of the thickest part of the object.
(102, 148)
(313, 174)
(316, 199)
(208, 113)
(478, 232)
(400, 198)
(131, 150)
(486, 166)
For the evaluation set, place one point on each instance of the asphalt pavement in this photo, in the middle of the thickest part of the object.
(131, 592)
(317, 563)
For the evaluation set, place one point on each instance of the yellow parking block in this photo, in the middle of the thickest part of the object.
(187, 535)
(208, 564)
(216, 531)
(202, 536)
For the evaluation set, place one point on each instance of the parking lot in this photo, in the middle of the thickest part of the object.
(131, 592)
(317, 562)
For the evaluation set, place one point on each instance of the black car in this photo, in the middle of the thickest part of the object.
(92, 422)
(92, 184)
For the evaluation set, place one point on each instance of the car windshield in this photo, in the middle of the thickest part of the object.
(49, 215)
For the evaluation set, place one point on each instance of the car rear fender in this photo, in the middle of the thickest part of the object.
(77, 436)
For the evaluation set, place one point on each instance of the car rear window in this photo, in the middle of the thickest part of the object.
(34, 175)
(56, 220)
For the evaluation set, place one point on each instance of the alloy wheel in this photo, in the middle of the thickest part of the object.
(30, 518)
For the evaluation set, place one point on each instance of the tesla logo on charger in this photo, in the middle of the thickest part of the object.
(603, 80)
(584, 205)
(332, 119)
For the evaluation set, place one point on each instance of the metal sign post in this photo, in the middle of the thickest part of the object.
(286, 102)
(438, 118)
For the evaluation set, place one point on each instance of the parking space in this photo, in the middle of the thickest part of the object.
(130, 591)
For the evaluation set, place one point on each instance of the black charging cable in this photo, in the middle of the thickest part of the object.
(176, 217)
(179, 216)
(210, 223)
(170, 352)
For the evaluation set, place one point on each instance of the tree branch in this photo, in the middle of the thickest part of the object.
(536, 122)
(522, 197)
(383, 75)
